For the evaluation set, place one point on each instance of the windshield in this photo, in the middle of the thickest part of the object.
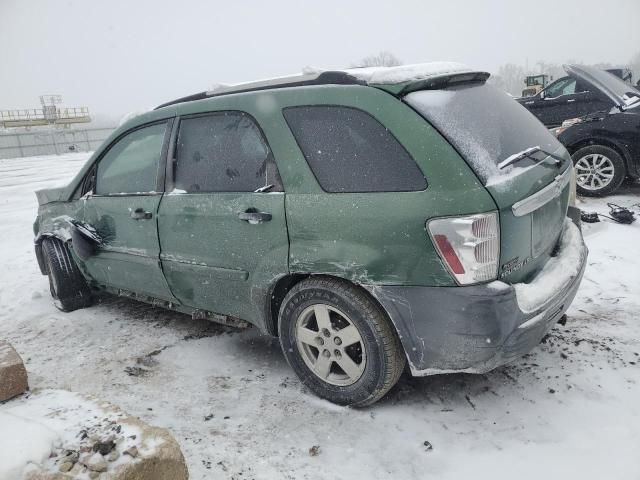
(484, 124)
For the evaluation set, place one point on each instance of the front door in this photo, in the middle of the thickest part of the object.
(122, 205)
(551, 105)
(222, 226)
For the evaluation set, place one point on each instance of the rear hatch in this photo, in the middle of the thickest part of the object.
(487, 127)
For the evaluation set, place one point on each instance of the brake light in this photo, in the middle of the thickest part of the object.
(469, 246)
(449, 254)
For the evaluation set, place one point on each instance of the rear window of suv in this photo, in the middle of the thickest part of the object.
(485, 125)
(350, 151)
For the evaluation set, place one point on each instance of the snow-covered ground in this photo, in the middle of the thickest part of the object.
(570, 409)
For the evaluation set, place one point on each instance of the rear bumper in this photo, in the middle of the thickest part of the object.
(478, 328)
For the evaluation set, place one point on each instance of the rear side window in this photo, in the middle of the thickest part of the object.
(223, 152)
(131, 164)
(350, 151)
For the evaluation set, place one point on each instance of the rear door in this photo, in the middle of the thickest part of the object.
(122, 206)
(222, 224)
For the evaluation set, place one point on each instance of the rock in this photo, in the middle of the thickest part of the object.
(132, 452)
(427, 445)
(76, 470)
(13, 375)
(65, 467)
(138, 451)
(97, 463)
(70, 456)
(160, 457)
(84, 458)
(104, 448)
(314, 451)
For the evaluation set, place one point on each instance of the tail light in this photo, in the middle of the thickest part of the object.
(468, 245)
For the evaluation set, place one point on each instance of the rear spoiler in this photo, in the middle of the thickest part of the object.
(435, 83)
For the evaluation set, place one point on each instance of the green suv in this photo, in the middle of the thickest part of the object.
(369, 218)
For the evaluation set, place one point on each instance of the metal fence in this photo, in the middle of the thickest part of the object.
(51, 142)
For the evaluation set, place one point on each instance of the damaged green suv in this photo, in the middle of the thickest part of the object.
(369, 218)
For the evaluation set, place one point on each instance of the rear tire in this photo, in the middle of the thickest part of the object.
(68, 287)
(339, 341)
(599, 170)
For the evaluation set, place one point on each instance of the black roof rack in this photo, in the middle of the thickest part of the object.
(323, 78)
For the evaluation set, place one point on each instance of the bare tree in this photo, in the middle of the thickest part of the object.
(382, 59)
(510, 77)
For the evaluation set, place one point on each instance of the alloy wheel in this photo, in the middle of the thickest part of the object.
(330, 345)
(594, 171)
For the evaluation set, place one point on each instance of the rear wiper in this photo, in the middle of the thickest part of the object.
(266, 188)
(526, 154)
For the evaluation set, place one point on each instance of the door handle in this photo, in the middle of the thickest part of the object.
(253, 217)
(140, 214)
(571, 100)
(529, 103)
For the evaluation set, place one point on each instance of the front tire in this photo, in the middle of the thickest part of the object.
(339, 341)
(599, 170)
(68, 287)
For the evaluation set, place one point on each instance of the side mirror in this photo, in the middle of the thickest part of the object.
(541, 94)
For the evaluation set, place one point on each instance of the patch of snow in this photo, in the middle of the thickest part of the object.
(50, 421)
(130, 116)
(22, 441)
(498, 285)
(450, 117)
(557, 272)
(406, 73)
(504, 179)
(373, 75)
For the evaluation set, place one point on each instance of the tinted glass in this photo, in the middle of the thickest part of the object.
(484, 124)
(565, 86)
(131, 164)
(350, 151)
(223, 152)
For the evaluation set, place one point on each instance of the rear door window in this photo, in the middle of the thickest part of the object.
(131, 164)
(223, 152)
(350, 151)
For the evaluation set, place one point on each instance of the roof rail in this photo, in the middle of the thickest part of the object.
(322, 78)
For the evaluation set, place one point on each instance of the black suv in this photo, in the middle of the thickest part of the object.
(569, 97)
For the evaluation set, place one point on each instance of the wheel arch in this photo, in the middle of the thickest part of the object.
(284, 284)
(40, 253)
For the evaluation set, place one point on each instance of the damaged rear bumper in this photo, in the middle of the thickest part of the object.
(477, 328)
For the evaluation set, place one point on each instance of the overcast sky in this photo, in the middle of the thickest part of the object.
(119, 56)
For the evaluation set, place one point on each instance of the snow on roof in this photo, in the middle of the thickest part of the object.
(406, 73)
(377, 75)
